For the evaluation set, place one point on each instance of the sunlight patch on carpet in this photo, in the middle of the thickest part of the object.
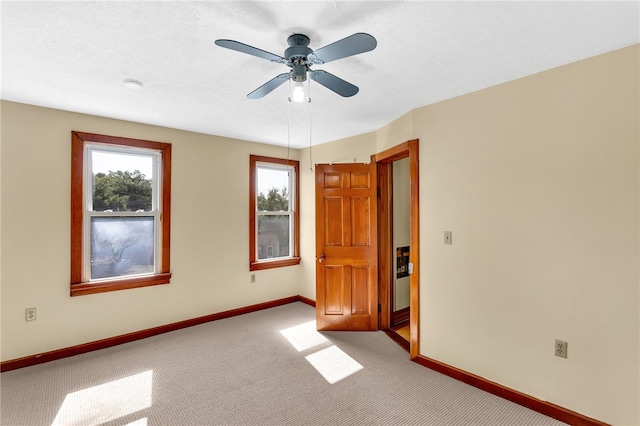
(333, 364)
(107, 402)
(140, 422)
(304, 336)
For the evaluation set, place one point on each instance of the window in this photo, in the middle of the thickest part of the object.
(120, 213)
(273, 213)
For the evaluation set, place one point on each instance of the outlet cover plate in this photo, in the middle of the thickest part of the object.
(561, 348)
(30, 314)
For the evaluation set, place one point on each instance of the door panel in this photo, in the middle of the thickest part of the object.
(360, 228)
(334, 290)
(333, 228)
(346, 247)
(360, 290)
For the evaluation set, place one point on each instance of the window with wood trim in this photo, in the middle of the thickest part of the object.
(274, 239)
(120, 213)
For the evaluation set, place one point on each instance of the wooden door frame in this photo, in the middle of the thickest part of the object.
(384, 161)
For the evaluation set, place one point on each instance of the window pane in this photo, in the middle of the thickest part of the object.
(121, 182)
(273, 236)
(273, 190)
(121, 246)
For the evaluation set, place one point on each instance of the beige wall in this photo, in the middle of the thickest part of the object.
(396, 132)
(209, 245)
(538, 179)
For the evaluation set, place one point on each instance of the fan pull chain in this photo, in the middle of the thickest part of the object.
(288, 130)
(310, 126)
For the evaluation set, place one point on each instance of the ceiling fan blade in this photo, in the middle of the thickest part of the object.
(250, 50)
(268, 86)
(349, 46)
(331, 82)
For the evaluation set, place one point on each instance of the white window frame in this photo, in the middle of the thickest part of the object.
(89, 213)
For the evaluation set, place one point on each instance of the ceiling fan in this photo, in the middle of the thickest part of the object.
(299, 57)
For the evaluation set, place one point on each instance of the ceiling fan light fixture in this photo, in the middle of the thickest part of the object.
(297, 94)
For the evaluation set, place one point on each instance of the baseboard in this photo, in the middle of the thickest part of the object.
(542, 407)
(307, 301)
(142, 334)
(400, 316)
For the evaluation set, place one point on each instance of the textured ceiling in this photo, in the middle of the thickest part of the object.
(75, 56)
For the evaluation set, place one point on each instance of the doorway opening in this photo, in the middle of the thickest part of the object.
(397, 259)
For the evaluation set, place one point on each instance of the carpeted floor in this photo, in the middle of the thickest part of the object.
(265, 368)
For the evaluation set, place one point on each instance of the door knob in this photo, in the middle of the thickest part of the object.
(321, 259)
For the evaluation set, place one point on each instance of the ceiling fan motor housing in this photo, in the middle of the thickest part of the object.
(298, 48)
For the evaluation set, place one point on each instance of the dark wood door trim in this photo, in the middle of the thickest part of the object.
(384, 161)
(385, 242)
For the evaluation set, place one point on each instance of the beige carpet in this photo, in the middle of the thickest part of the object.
(265, 368)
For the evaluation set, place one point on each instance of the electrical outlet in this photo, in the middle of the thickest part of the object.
(30, 314)
(253, 278)
(448, 237)
(561, 348)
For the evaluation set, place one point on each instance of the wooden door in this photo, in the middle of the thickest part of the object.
(346, 247)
